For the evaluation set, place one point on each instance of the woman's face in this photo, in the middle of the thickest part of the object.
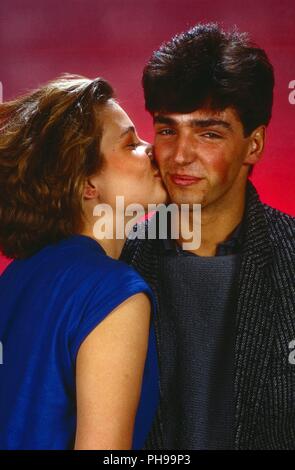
(127, 168)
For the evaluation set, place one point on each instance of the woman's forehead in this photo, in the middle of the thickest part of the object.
(114, 118)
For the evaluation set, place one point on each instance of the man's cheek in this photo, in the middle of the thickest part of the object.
(221, 169)
(162, 152)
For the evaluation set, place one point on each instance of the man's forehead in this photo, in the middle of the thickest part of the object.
(201, 113)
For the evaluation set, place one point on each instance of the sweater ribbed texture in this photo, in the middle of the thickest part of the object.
(196, 325)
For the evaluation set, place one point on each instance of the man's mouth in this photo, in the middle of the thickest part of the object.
(184, 180)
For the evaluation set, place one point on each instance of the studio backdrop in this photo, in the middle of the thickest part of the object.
(40, 40)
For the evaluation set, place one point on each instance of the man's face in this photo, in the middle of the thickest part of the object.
(202, 154)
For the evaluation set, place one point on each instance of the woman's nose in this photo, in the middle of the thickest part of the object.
(150, 152)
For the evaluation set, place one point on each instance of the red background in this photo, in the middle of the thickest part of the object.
(113, 38)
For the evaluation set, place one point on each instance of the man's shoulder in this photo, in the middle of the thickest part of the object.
(281, 231)
(280, 224)
(277, 215)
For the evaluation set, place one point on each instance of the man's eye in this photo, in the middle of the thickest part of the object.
(212, 135)
(165, 132)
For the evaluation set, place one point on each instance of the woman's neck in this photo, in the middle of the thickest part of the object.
(112, 247)
(113, 244)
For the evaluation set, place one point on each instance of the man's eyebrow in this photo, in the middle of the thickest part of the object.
(127, 130)
(160, 119)
(210, 122)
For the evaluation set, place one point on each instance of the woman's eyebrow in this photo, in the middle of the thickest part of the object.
(127, 130)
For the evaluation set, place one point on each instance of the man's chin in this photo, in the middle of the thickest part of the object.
(179, 197)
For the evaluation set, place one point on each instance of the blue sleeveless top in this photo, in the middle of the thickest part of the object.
(49, 303)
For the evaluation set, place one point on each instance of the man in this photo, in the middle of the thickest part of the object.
(226, 310)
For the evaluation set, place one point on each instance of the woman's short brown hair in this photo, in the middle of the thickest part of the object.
(49, 144)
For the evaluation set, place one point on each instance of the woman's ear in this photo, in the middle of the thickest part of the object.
(90, 189)
(256, 145)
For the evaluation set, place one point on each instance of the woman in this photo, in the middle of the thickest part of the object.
(79, 359)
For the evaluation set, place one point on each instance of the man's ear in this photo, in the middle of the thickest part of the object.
(90, 190)
(256, 145)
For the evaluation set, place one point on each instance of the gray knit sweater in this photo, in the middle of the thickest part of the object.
(196, 324)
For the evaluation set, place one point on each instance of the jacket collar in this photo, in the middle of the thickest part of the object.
(256, 240)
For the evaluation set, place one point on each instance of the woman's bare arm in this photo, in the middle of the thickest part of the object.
(109, 373)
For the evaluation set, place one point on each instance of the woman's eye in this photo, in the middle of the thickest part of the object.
(133, 145)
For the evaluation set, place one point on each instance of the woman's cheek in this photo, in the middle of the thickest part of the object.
(123, 168)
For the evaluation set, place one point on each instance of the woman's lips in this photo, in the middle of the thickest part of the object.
(184, 180)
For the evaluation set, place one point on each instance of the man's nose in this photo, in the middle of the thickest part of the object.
(183, 153)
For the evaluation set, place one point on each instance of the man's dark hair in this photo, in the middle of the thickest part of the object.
(208, 67)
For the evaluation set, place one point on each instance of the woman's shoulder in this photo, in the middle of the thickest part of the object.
(88, 257)
(104, 284)
(86, 261)
(77, 261)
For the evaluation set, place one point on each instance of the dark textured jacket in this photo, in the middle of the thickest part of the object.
(264, 382)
